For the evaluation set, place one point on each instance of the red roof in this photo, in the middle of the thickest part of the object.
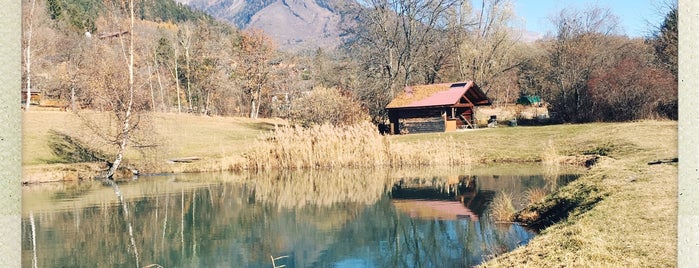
(439, 95)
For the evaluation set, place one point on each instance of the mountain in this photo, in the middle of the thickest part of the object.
(293, 24)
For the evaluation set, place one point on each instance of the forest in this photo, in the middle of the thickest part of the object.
(187, 62)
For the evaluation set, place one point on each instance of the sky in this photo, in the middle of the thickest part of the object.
(634, 15)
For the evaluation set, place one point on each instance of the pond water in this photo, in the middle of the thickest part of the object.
(345, 218)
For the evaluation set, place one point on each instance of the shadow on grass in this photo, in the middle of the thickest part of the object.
(67, 149)
(261, 126)
(576, 197)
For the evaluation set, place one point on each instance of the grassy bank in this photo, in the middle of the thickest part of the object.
(217, 143)
(620, 213)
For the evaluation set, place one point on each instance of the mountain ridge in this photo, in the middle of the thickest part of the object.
(293, 24)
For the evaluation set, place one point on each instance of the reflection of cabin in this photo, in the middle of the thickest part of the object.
(436, 107)
(460, 197)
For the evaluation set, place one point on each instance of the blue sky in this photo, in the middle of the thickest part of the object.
(634, 15)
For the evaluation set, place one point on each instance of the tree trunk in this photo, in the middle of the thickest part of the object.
(152, 92)
(189, 76)
(160, 85)
(72, 98)
(177, 84)
(28, 60)
(126, 125)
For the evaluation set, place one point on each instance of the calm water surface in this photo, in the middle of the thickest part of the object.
(344, 218)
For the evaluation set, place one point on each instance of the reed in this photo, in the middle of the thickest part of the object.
(502, 208)
(321, 146)
(550, 156)
(360, 145)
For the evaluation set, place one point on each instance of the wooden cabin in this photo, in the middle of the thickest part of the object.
(435, 108)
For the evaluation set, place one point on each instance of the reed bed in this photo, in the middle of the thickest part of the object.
(440, 152)
(321, 146)
(325, 146)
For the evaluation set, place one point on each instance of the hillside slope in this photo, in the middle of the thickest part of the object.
(293, 24)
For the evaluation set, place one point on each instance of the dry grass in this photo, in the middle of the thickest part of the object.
(626, 212)
(218, 141)
(501, 208)
(535, 195)
(360, 145)
(321, 146)
(550, 156)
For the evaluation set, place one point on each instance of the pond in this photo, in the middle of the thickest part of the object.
(340, 218)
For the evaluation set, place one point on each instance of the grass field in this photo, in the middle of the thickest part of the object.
(626, 212)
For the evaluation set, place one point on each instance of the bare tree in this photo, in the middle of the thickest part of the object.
(574, 55)
(185, 36)
(488, 43)
(126, 123)
(395, 38)
(253, 69)
(665, 40)
(28, 55)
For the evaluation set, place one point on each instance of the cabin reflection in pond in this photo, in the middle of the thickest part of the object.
(436, 108)
(457, 199)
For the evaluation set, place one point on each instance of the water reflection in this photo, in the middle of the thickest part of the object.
(345, 218)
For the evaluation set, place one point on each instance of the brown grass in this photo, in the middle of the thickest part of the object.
(626, 209)
(218, 141)
(360, 145)
(320, 146)
(550, 156)
(534, 195)
(502, 208)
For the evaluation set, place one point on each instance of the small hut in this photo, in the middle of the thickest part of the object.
(436, 107)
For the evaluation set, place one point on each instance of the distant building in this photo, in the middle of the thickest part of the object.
(435, 108)
(529, 100)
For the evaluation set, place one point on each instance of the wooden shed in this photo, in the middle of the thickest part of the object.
(436, 107)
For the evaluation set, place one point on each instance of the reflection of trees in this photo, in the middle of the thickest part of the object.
(318, 219)
(210, 225)
(318, 188)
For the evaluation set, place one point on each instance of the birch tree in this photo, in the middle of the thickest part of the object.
(28, 54)
(125, 113)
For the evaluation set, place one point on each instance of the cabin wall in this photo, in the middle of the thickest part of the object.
(429, 120)
(422, 125)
